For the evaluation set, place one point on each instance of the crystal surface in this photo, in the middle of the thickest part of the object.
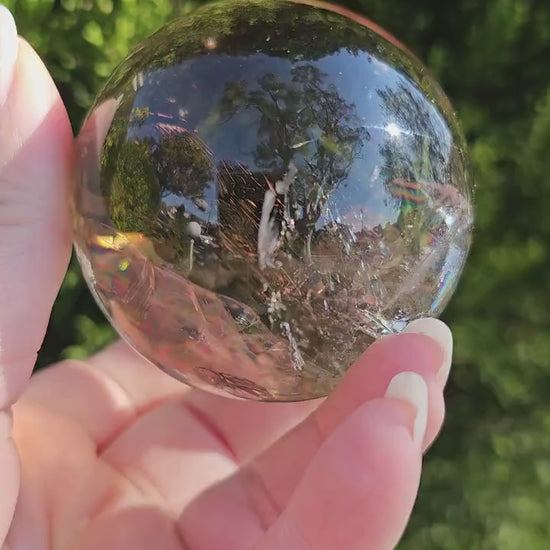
(263, 189)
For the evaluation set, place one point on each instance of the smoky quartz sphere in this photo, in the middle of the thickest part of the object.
(265, 188)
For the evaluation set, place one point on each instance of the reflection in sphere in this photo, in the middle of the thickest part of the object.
(265, 188)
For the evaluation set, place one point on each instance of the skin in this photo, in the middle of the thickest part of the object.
(112, 454)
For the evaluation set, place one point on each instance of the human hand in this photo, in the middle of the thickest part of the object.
(113, 454)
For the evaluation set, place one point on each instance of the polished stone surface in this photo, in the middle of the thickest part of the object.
(264, 188)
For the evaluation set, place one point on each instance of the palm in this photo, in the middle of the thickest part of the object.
(112, 454)
(116, 454)
(151, 463)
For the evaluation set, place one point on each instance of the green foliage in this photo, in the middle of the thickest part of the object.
(184, 166)
(134, 198)
(83, 40)
(485, 484)
(487, 480)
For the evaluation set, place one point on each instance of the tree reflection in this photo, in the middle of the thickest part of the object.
(422, 169)
(422, 151)
(303, 122)
(134, 198)
(183, 163)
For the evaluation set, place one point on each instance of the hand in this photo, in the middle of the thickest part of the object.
(113, 454)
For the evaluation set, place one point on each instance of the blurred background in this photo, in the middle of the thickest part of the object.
(487, 479)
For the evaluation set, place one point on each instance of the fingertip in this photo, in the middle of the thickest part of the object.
(439, 332)
(411, 388)
(370, 376)
(32, 97)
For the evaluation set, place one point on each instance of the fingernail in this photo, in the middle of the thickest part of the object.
(8, 51)
(437, 330)
(410, 387)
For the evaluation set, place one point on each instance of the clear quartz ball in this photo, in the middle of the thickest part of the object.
(266, 187)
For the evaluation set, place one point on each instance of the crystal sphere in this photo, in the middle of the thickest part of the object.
(266, 187)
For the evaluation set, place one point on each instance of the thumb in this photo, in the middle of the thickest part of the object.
(35, 166)
(35, 157)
